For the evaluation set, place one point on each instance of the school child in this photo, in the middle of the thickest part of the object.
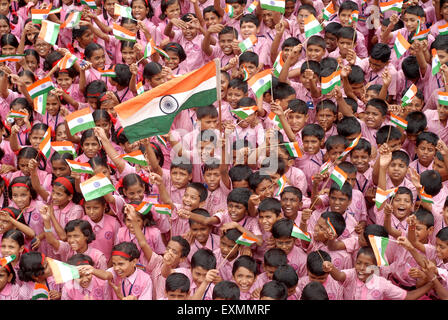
(13, 243)
(223, 50)
(269, 211)
(177, 56)
(238, 12)
(346, 39)
(88, 286)
(426, 144)
(274, 290)
(37, 280)
(314, 291)
(177, 287)
(417, 123)
(8, 288)
(287, 275)
(244, 273)
(360, 156)
(12, 220)
(217, 180)
(331, 33)
(226, 290)
(228, 250)
(375, 287)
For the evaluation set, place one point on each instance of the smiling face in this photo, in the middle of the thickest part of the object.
(60, 168)
(91, 146)
(200, 232)
(363, 261)
(311, 144)
(60, 196)
(373, 117)
(36, 137)
(360, 159)
(11, 247)
(237, 211)
(77, 240)
(266, 220)
(135, 192)
(21, 196)
(285, 243)
(244, 279)
(123, 267)
(402, 206)
(290, 205)
(191, 199)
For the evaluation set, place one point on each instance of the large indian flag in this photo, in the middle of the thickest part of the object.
(261, 82)
(153, 112)
(95, 187)
(312, 26)
(394, 5)
(273, 5)
(80, 120)
(62, 272)
(49, 32)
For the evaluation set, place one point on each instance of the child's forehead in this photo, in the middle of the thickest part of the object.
(315, 47)
(267, 212)
(345, 11)
(191, 190)
(398, 162)
(248, 24)
(248, 64)
(408, 15)
(360, 152)
(338, 193)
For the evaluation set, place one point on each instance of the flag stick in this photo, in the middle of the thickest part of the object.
(218, 91)
(388, 134)
(354, 35)
(323, 260)
(225, 259)
(320, 192)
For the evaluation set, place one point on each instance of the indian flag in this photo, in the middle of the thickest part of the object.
(80, 167)
(149, 49)
(328, 11)
(278, 65)
(67, 61)
(330, 82)
(80, 120)
(162, 208)
(275, 118)
(379, 246)
(162, 53)
(333, 230)
(64, 147)
(261, 82)
(443, 30)
(442, 98)
(382, 195)
(245, 73)
(409, 95)
(394, 5)
(298, 233)
(56, 10)
(245, 112)
(338, 176)
(108, 73)
(401, 45)
(325, 167)
(37, 15)
(144, 208)
(140, 88)
(247, 43)
(4, 261)
(72, 20)
(153, 112)
(245, 240)
(162, 141)
(273, 5)
(125, 12)
(90, 3)
(123, 34)
(435, 62)
(229, 10)
(400, 122)
(136, 157)
(49, 32)
(293, 149)
(45, 145)
(40, 87)
(421, 35)
(252, 7)
(40, 291)
(16, 114)
(354, 16)
(62, 272)
(12, 58)
(312, 26)
(95, 187)
(350, 147)
(425, 197)
(281, 185)
(40, 103)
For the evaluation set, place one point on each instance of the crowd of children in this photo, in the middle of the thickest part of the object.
(331, 184)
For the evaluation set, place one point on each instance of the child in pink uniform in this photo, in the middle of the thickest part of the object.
(8, 288)
(218, 186)
(228, 250)
(244, 273)
(104, 226)
(88, 286)
(272, 260)
(11, 220)
(361, 283)
(269, 212)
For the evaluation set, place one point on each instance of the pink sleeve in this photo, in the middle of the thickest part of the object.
(391, 291)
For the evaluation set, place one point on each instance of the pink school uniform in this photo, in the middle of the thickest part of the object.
(104, 231)
(373, 77)
(297, 178)
(138, 284)
(434, 124)
(226, 269)
(341, 258)
(99, 259)
(357, 207)
(70, 212)
(364, 180)
(217, 199)
(218, 54)
(179, 226)
(377, 288)
(255, 136)
(98, 289)
(250, 223)
(297, 260)
(310, 164)
(212, 244)
(10, 292)
(26, 290)
(350, 222)
(9, 158)
(192, 48)
(333, 288)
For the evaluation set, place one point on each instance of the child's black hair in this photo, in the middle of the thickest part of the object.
(333, 141)
(336, 219)
(200, 188)
(308, 8)
(298, 106)
(317, 41)
(246, 262)
(356, 75)
(313, 130)
(270, 204)
(283, 91)
(427, 136)
(415, 10)
(123, 74)
(314, 291)
(348, 126)
(182, 163)
(240, 172)
(237, 83)
(203, 258)
(290, 42)
(84, 226)
(282, 228)
(431, 181)
(417, 122)
(347, 33)
(381, 52)
(130, 248)
(442, 234)
(22, 180)
(294, 190)
(177, 281)
(333, 28)
(250, 18)
(314, 262)
(424, 217)
(227, 290)
(346, 189)
(400, 155)
(312, 65)
(275, 257)
(275, 290)
(201, 212)
(249, 57)
(410, 68)
(287, 275)
(363, 145)
(239, 195)
(378, 104)
(387, 133)
(184, 244)
(31, 266)
(256, 178)
(177, 49)
(80, 259)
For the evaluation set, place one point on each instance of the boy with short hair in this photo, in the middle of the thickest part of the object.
(238, 10)
(425, 150)
(250, 26)
(223, 50)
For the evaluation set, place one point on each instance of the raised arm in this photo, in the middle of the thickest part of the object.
(27, 231)
(335, 273)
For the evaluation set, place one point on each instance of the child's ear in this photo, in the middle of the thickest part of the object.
(430, 230)
(322, 144)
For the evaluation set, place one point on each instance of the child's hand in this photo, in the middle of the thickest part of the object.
(184, 214)
(44, 212)
(387, 78)
(169, 258)
(270, 243)
(306, 215)
(75, 175)
(54, 295)
(294, 55)
(156, 179)
(351, 57)
(415, 178)
(385, 155)
(189, 237)
(85, 270)
(336, 93)
(256, 294)
(393, 20)
(15, 129)
(404, 242)
(359, 228)
(308, 74)
(179, 23)
(277, 109)
(100, 133)
(111, 95)
(416, 273)
(116, 289)
(86, 66)
(388, 209)
(215, 28)
(228, 226)
(36, 244)
(130, 212)
(32, 165)
(280, 27)
(255, 200)
(63, 111)
(211, 275)
(442, 147)
(134, 69)
(412, 221)
(57, 91)
(327, 266)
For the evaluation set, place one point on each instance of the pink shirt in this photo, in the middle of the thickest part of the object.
(192, 48)
(255, 135)
(297, 260)
(98, 289)
(211, 244)
(226, 270)
(333, 288)
(377, 288)
(373, 77)
(138, 284)
(70, 212)
(250, 223)
(341, 259)
(434, 124)
(10, 292)
(97, 256)
(104, 230)
(217, 199)
(26, 290)
(310, 164)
